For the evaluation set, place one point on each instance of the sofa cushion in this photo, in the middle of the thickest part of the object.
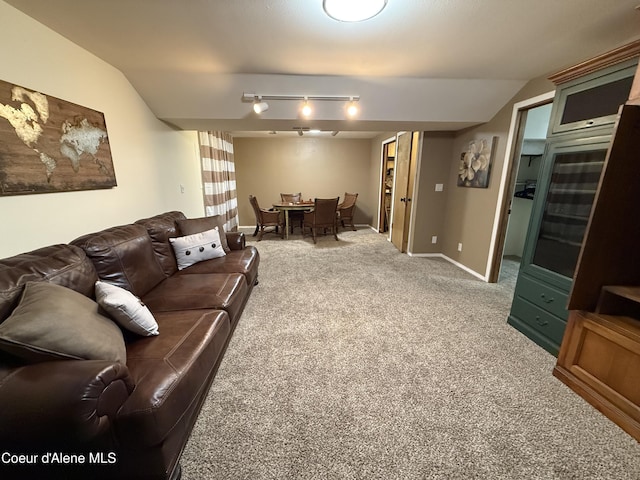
(162, 227)
(65, 265)
(52, 322)
(171, 372)
(126, 309)
(198, 247)
(243, 261)
(223, 291)
(124, 256)
(189, 226)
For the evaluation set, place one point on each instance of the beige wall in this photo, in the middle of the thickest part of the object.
(470, 211)
(151, 160)
(430, 205)
(317, 167)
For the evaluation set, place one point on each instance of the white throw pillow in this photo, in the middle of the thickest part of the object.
(126, 309)
(197, 247)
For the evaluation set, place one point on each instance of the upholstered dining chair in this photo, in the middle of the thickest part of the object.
(295, 217)
(322, 216)
(265, 219)
(346, 208)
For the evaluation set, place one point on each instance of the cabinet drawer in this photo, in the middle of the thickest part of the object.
(539, 320)
(543, 296)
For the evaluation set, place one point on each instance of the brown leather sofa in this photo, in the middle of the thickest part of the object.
(114, 420)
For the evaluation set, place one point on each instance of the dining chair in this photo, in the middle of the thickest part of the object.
(346, 208)
(266, 218)
(291, 197)
(295, 217)
(322, 216)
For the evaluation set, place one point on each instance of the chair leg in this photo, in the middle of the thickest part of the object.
(313, 232)
(261, 233)
(256, 230)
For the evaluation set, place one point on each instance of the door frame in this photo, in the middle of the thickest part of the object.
(501, 219)
(383, 164)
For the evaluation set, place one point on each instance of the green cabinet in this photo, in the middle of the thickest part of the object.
(574, 158)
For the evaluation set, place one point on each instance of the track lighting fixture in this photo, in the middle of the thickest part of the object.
(260, 105)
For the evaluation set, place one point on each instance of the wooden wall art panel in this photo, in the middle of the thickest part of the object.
(51, 145)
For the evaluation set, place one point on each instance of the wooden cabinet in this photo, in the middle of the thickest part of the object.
(600, 353)
(600, 360)
(582, 121)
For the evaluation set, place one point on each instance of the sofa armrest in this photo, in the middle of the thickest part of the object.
(62, 402)
(236, 240)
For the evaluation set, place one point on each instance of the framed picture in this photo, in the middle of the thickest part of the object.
(475, 163)
(51, 145)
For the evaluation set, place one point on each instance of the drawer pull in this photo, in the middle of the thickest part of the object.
(545, 299)
(542, 323)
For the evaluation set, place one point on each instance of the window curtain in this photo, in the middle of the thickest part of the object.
(219, 177)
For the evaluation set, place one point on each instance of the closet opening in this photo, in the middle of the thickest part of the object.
(386, 184)
(528, 133)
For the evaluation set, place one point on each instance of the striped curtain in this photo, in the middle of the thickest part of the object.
(219, 177)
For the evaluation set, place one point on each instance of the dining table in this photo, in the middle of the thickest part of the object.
(287, 207)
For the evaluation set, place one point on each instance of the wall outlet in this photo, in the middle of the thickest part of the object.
(459, 247)
(439, 187)
(434, 239)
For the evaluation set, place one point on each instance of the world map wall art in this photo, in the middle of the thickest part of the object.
(51, 145)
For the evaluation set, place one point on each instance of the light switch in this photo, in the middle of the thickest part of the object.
(439, 187)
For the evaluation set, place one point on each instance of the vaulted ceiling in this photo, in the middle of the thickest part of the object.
(419, 65)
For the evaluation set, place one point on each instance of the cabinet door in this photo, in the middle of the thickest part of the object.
(592, 101)
(569, 181)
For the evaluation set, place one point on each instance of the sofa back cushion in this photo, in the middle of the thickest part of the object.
(161, 228)
(123, 256)
(191, 226)
(65, 265)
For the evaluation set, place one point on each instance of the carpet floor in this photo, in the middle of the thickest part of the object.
(353, 361)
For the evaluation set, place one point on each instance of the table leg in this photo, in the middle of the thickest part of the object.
(286, 223)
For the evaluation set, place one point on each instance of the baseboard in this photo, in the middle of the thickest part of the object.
(450, 260)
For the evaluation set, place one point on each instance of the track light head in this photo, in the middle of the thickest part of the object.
(352, 109)
(259, 106)
(306, 108)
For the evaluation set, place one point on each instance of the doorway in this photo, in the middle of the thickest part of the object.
(386, 184)
(526, 143)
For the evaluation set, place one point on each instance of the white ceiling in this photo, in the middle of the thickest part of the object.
(419, 65)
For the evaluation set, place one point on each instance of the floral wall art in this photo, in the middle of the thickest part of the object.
(475, 163)
(50, 145)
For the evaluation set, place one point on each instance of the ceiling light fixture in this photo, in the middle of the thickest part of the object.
(306, 108)
(259, 106)
(353, 10)
(352, 109)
